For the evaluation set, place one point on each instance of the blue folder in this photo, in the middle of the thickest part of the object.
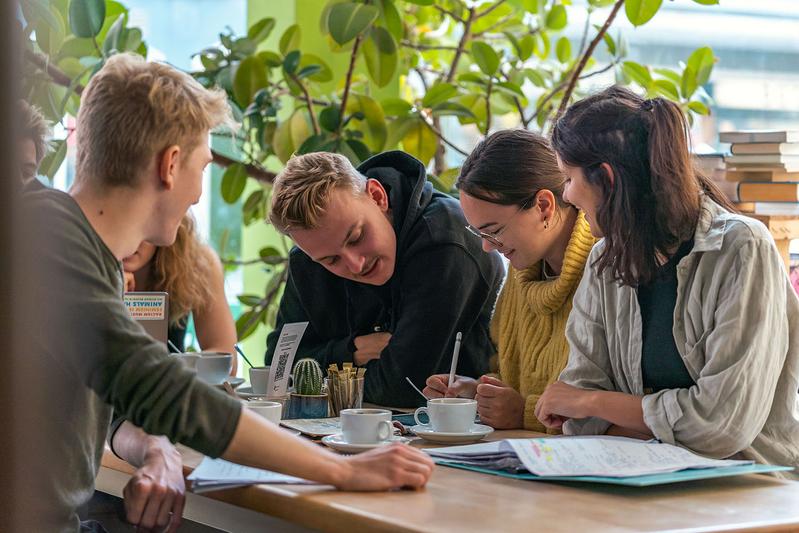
(633, 481)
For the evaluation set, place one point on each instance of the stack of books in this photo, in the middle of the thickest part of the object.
(765, 166)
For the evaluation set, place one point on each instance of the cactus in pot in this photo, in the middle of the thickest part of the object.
(307, 400)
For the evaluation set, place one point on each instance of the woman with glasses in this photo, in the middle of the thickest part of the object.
(511, 192)
(685, 327)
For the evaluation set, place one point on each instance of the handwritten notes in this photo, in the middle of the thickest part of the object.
(583, 456)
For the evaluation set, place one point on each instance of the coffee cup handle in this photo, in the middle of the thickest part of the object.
(417, 413)
(385, 430)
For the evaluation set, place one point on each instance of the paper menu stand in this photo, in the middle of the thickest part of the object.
(283, 359)
(151, 310)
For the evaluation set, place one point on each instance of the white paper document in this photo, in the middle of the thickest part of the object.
(283, 358)
(580, 456)
(216, 474)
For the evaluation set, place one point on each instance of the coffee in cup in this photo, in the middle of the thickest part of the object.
(366, 426)
(449, 415)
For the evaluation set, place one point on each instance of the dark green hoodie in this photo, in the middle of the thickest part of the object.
(443, 282)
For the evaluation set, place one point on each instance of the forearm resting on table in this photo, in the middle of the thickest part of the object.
(261, 444)
(624, 411)
(133, 445)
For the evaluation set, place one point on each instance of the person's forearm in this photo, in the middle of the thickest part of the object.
(621, 409)
(261, 444)
(133, 445)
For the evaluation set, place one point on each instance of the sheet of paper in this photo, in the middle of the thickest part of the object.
(601, 456)
(214, 474)
(283, 358)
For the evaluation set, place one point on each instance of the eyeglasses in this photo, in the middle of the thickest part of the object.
(492, 237)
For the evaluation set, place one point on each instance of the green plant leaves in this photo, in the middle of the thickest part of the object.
(640, 12)
(439, 93)
(86, 17)
(380, 52)
(347, 20)
(291, 62)
(249, 78)
(485, 57)
(563, 49)
(637, 73)
(375, 131)
(697, 71)
(420, 141)
(290, 40)
(233, 182)
(260, 31)
(557, 18)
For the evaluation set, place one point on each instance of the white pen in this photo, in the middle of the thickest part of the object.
(455, 352)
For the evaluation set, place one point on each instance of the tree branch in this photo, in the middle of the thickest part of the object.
(348, 81)
(490, 9)
(488, 105)
(440, 135)
(309, 101)
(467, 28)
(497, 24)
(254, 171)
(59, 77)
(448, 12)
(584, 60)
(424, 47)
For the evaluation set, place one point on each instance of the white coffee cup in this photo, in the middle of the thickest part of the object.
(272, 411)
(366, 426)
(449, 415)
(259, 379)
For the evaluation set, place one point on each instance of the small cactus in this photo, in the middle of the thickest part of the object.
(307, 377)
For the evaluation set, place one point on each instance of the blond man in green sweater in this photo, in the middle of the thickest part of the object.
(142, 135)
(511, 193)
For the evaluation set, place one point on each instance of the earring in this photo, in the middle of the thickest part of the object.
(546, 224)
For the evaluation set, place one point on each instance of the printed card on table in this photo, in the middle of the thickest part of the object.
(283, 359)
(146, 305)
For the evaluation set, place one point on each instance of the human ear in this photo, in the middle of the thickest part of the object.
(167, 167)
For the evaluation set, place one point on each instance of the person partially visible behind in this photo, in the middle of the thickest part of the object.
(192, 275)
(32, 145)
(685, 326)
(511, 191)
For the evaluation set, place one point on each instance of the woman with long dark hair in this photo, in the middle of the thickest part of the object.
(685, 327)
(511, 192)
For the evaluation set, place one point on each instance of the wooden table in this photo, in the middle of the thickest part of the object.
(458, 501)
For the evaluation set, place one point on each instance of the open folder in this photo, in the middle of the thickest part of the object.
(596, 459)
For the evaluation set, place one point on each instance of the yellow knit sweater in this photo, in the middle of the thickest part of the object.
(529, 323)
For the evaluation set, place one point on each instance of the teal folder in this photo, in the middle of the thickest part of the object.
(634, 481)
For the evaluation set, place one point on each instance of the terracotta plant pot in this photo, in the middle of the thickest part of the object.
(307, 406)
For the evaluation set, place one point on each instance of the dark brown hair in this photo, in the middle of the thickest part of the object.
(509, 167)
(32, 125)
(654, 202)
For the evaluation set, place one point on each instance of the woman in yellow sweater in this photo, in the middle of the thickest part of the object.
(511, 192)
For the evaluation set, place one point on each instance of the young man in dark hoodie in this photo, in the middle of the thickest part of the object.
(383, 271)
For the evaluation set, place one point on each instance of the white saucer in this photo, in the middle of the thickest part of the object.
(338, 443)
(477, 432)
(246, 392)
(234, 382)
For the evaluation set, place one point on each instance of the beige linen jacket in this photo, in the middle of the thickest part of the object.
(736, 326)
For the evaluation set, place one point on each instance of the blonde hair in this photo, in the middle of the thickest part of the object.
(184, 270)
(133, 109)
(300, 192)
(32, 125)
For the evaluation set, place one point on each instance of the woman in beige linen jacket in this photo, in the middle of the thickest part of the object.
(735, 318)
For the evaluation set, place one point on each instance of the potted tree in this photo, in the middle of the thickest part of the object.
(307, 400)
